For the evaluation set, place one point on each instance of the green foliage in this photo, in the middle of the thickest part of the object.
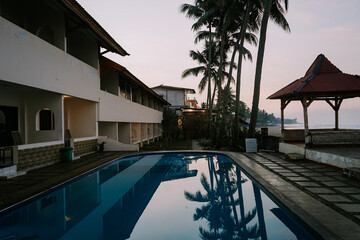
(265, 118)
(169, 125)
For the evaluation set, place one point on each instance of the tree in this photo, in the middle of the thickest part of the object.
(273, 9)
(169, 124)
(204, 65)
(204, 12)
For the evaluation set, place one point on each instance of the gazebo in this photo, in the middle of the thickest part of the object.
(323, 81)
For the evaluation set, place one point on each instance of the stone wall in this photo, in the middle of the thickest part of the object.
(83, 147)
(38, 157)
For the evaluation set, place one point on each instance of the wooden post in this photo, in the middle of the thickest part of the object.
(306, 121)
(336, 119)
(284, 103)
(336, 107)
(282, 115)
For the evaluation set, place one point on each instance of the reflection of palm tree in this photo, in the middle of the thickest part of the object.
(210, 211)
(220, 209)
(260, 211)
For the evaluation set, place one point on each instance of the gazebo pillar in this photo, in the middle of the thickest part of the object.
(305, 105)
(284, 103)
(336, 107)
(282, 114)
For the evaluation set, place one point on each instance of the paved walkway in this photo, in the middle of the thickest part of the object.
(326, 184)
(35, 182)
(318, 195)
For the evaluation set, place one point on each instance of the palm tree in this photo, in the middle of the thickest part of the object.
(250, 20)
(275, 11)
(202, 69)
(204, 12)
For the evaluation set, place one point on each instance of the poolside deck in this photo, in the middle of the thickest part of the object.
(321, 197)
(35, 182)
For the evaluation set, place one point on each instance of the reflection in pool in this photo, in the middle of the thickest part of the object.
(158, 196)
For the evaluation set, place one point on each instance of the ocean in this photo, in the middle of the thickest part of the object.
(322, 126)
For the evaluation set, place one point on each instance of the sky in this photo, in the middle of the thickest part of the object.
(159, 38)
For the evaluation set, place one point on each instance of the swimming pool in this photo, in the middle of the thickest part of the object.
(156, 196)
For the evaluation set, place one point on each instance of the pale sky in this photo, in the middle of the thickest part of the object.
(159, 38)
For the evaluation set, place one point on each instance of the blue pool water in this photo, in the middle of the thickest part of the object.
(156, 196)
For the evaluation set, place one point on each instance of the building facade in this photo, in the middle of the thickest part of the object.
(55, 85)
(178, 97)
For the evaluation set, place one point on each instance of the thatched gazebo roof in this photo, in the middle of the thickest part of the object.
(322, 81)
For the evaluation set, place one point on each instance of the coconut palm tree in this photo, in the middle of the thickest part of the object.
(202, 69)
(274, 10)
(249, 21)
(204, 12)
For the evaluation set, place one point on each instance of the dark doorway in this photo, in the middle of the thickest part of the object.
(8, 123)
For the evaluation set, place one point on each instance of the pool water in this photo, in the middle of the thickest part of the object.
(156, 196)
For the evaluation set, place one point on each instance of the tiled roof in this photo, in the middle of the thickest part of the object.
(107, 65)
(173, 87)
(322, 78)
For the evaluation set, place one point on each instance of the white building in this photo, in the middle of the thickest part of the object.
(55, 83)
(177, 96)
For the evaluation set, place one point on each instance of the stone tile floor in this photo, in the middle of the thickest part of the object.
(324, 183)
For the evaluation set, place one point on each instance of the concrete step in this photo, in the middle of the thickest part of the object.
(294, 157)
(10, 172)
(353, 172)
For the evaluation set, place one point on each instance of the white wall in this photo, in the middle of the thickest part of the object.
(34, 102)
(135, 132)
(116, 109)
(124, 134)
(108, 129)
(28, 60)
(80, 117)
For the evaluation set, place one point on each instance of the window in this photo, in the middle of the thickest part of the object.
(45, 120)
(125, 90)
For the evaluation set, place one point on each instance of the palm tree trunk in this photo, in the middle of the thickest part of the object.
(238, 76)
(259, 63)
(236, 47)
(209, 81)
(213, 96)
(220, 73)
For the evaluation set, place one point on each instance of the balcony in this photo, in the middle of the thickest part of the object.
(117, 109)
(31, 61)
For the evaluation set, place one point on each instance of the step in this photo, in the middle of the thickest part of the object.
(11, 175)
(352, 172)
(10, 172)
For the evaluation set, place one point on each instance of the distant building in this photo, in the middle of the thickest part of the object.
(56, 86)
(177, 96)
